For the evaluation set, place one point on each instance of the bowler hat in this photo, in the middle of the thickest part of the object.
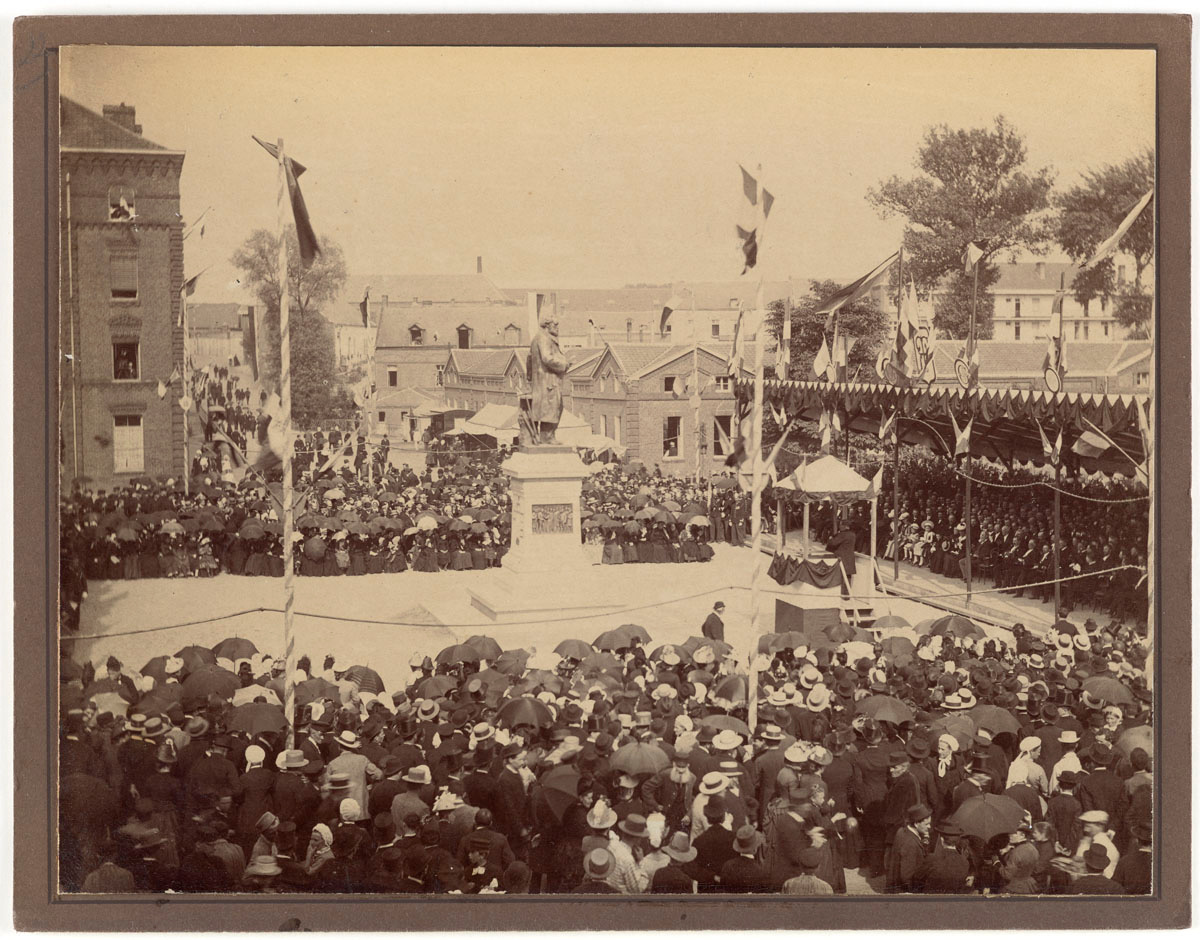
(1096, 857)
(747, 840)
(598, 863)
(634, 825)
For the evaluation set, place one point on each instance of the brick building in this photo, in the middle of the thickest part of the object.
(121, 275)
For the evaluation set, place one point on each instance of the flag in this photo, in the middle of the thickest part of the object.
(851, 292)
(823, 361)
(201, 231)
(678, 297)
(1109, 245)
(962, 437)
(309, 248)
(826, 428)
(1091, 444)
(162, 389)
(876, 483)
(751, 237)
(841, 350)
(1054, 453)
(1055, 359)
(779, 415)
(966, 366)
(739, 448)
(971, 256)
(1147, 430)
(189, 286)
(362, 307)
(679, 386)
(887, 426)
(738, 353)
(175, 376)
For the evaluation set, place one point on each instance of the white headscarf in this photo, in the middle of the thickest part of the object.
(255, 756)
(944, 763)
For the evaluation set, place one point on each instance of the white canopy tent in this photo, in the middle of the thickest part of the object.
(825, 479)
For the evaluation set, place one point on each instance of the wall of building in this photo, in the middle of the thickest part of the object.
(417, 366)
(148, 319)
(216, 346)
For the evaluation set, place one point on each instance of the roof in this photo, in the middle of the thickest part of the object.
(708, 295)
(487, 321)
(83, 129)
(481, 361)
(636, 358)
(214, 316)
(407, 397)
(1023, 276)
(999, 358)
(403, 288)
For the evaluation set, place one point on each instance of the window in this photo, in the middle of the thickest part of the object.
(1106, 331)
(125, 361)
(1016, 331)
(383, 417)
(123, 274)
(722, 383)
(642, 333)
(1085, 331)
(393, 378)
(607, 429)
(120, 204)
(629, 331)
(128, 454)
(1142, 379)
(416, 335)
(616, 435)
(669, 383)
(441, 375)
(1120, 274)
(716, 330)
(671, 436)
(1037, 302)
(464, 337)
(734, 303)
(721, 425)
(1017, 307)
(1077, 325)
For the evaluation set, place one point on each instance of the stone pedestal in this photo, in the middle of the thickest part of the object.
(546, 570)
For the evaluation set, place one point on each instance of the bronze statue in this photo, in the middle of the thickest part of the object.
(547, 365)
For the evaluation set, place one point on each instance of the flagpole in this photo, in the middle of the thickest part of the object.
(896, 498)
(187, 359)
(696, 388)
(285, 396)
(756, 512)
(971, 383)
(72, 363)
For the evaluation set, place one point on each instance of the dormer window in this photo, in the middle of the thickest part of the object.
(416, 335)
(464, 337)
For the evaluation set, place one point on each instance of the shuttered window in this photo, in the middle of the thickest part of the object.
(123, 274)
(128, 451)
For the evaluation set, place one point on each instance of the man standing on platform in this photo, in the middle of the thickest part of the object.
(713, 627)
(842, 544)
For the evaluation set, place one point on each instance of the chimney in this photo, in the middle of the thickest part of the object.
(479, 264)
(1040, 268)
(124, 115)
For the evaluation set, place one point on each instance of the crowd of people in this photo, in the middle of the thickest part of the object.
(955, 764)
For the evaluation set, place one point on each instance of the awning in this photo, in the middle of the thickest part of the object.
(825, 478)
(498, 421)
(1006, 420)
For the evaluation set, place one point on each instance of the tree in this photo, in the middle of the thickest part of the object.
(1089, 213)
(309, 288)
(973, 188)
(862, 320)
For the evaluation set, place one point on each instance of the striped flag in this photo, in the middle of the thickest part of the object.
(962, 437)
(738, 353)
(362, 307)
(679, 296)
(1109, 245)
(309, 248)
(887, 426)
(851, 292)
(1091, 444)
(1053, 452)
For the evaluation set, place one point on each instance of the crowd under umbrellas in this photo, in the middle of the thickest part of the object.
(936, 757)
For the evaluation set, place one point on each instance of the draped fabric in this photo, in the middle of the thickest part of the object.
(1005, 419)
(788, 569)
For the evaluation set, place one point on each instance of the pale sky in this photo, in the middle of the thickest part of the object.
(592, 167)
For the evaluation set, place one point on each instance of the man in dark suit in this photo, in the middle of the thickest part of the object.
(1094, 882)
(495, 847)
(1101, 789)
(904, 791)
(945, 870)
(511, 808)
(713, 627)
(842, 544)
(744, 874)
(906, 854)
(1133, 870)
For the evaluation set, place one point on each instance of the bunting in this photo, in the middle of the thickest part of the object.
(962, 436)
(887, 426)
(750, 236)
(822, 361)
(1054, 453)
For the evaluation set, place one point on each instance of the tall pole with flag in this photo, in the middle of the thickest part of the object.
(973, 255)
(187, 381)
(896, 430)
(695, 389)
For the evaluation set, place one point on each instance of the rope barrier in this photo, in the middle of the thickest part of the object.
(1049, 486)
(560, 619)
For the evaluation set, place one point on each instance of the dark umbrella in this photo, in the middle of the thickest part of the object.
(210, 523)
(210, 680)
(524, 711)
(634, 631)
(600, 662)
(1064, 626)
(560, 789)
(1108, 689)
(366, 678)
(1140, 736)
(731, 688)
(314, 548)
(435, 686)
(252, 529)
(485, 646)
(459, 653)
(196, 657)
(884, 708)
(573, 649)
(660, 651)
(637, 759)
(612, 640)
(127, 533)
(315, 689)
(955, 625)
(156, 667)
(511, 662)
(235, 648)
(989, 815)
(492, 679)
(257, 718)
(770, 642)
(995, 719)
(891, 621)
(542, 679)
(896, 645)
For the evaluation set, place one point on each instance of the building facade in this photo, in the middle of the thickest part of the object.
(216, 333)
(1110, 368)
(121, 276)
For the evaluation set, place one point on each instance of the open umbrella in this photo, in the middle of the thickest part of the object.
(989, 815)
(560, 789)
(173, 527)
(251, 529)
(257, 718)
(923, 627)
(720, 650)
(635, 632)
(196, 657)
(127, 533)
(235, 647)
(315, 689)
(435, 687)
(485, 646)
(1109, 689)
(697, 519)
(890, 622)
(1065, 627)
(884, 708)
(845, 633)
(600, 662)
(335, 492)
(210, 523)
(955, 625)
(731, 688)
(511, 662)
(895, 645)
(574, 649)
(210, 680)
(458, 653)
(366, 678)
(426, 522)
(612, 640)
(156, 667)
(541, 680)
(995, 719)
(251, 692)
(661, 651)
(524, 711)
(109, 702)
(957, 725)
(790, 640)
(726, 723)
(637, 759)
(492, 679)
(1141, 736)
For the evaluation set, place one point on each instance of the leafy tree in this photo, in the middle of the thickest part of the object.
(862, 320)
(309, 289)
(1133, 311)
(973, 188)
(1089, 213)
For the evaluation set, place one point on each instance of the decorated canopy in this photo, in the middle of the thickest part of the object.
(825, 478)
(1006, 420)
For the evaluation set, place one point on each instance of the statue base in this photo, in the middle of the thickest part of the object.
(545, 571)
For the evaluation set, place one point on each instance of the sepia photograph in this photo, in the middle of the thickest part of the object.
(745, 458)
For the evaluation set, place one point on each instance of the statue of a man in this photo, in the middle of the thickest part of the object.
(547, 365)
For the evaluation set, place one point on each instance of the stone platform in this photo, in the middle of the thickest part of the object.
(545, 571)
